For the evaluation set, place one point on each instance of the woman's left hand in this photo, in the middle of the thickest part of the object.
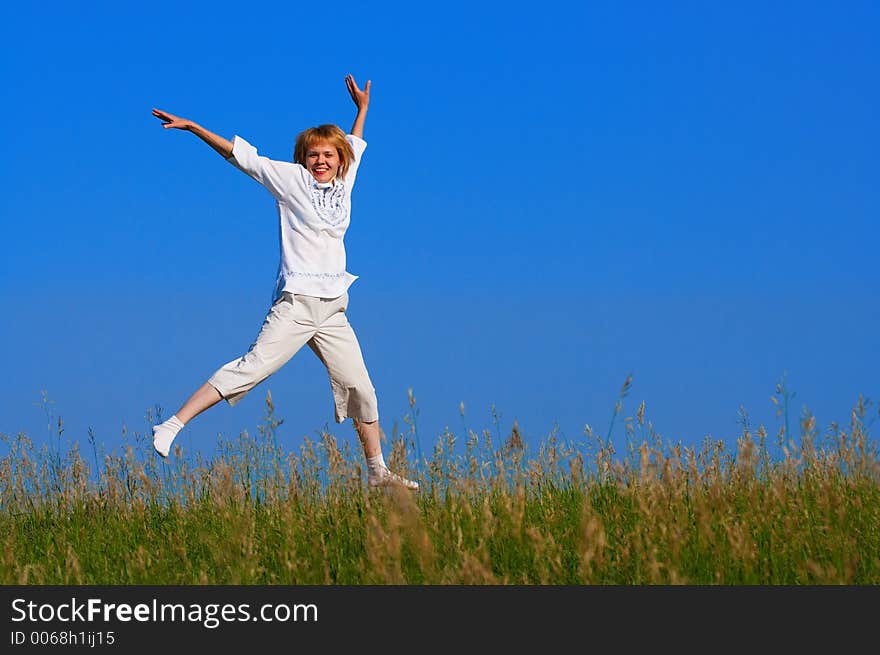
(360, 97)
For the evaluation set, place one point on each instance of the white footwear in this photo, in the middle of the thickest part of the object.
(164, 434)
(387, 478)
(162, 440)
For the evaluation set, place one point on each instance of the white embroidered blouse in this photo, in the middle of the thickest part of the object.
(313, 219)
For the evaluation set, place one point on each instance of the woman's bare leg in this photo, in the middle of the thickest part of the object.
(204, 398)
(369, 436)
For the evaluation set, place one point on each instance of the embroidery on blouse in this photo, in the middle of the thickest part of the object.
(329, 203)
(318, 275)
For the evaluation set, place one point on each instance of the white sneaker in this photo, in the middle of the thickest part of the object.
(387, 478)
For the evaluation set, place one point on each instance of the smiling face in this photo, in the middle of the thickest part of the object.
(322, 161)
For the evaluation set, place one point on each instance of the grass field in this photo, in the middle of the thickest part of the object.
(490, 510)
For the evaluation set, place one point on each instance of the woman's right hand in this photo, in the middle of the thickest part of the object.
(170, 120)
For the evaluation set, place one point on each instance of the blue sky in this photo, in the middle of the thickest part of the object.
(553, 197)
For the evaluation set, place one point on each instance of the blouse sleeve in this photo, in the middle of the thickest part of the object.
(277, 176)
(358, 145)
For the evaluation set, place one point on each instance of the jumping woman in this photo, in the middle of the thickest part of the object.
(313, 196)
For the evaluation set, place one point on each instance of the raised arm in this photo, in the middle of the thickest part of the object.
(218, 143)
(276, 176)
(361, 99)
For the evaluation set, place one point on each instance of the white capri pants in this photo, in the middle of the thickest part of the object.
(293, 321)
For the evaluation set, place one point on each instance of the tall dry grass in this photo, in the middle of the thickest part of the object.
(490, 510)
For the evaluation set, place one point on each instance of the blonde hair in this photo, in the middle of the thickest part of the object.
(331, 134)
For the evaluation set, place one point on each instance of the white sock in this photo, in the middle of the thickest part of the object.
(376, 466)
(164, 433)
